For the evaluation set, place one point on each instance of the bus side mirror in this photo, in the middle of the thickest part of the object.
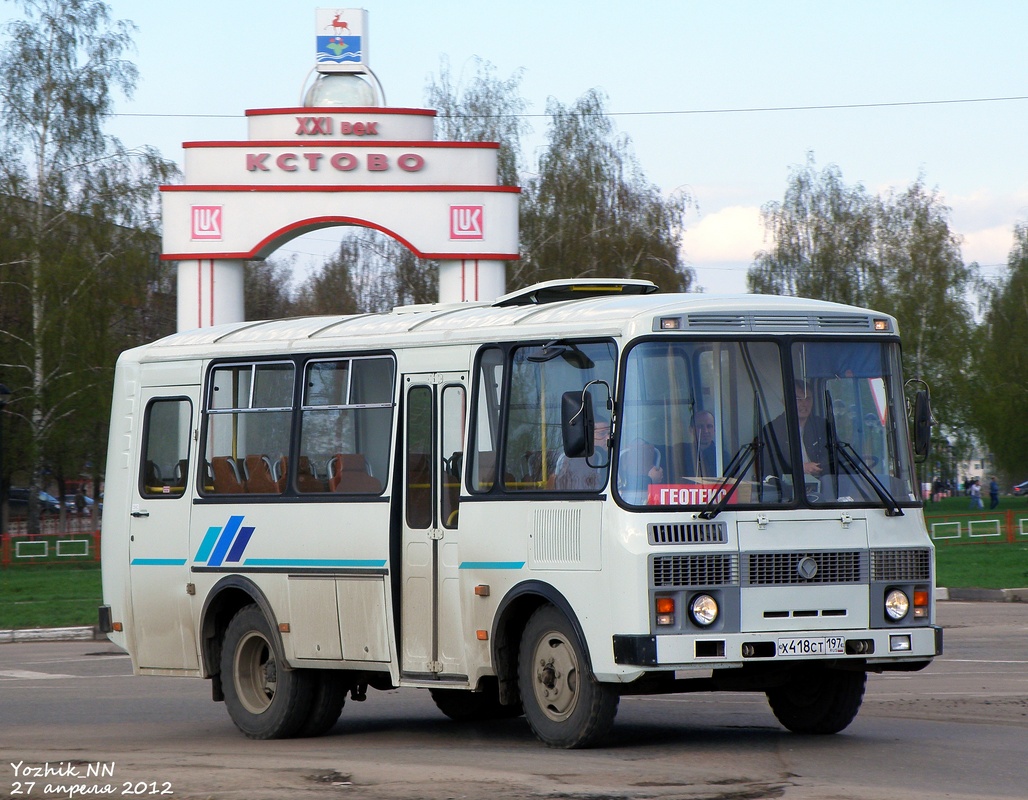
(922, 424)
(576, 422)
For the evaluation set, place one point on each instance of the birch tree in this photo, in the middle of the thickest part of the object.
(75, 195)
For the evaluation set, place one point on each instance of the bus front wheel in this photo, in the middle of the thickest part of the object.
(818, 700)
(563, 702)
(264, 699)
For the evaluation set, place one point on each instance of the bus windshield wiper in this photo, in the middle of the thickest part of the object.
(740, 462)
(842, 452)
(853, 460)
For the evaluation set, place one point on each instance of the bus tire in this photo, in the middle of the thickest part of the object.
(462, 705)
(818, 700)
(264, 700)
(564, 703)
(327, 705)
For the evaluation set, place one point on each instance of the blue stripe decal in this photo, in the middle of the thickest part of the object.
(314, 562)
(207, 544)
(225, 541)
(239, 545)
(492, 564)
(158, 562)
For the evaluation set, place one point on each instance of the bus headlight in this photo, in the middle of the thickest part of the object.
(703, 610)
(897, 604)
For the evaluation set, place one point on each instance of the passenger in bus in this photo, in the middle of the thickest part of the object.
(702, 461)
(586, 473)
(776, 454)
(639, 466)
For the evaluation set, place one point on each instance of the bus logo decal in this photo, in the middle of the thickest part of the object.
(225, 544)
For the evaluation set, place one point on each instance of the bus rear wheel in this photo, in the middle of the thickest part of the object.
(564, 704)
(264, 699)
(327, 705)
(818, 700)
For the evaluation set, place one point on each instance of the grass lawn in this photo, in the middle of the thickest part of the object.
(49, 597)
(982, 565)
(969, 563)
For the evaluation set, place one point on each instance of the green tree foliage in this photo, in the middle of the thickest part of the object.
(589, 210)
(484, 109)
(895, 254)
(822, 239)
(925, 284)
(80, 220)
(1001, 363)
(369, 272)
(267, 289)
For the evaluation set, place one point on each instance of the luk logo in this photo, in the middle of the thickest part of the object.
(466, 222)
(206, 222)
(224, 545)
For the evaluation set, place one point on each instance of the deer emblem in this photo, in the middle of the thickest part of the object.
(339, 25)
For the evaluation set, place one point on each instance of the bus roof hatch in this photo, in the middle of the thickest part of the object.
(555, 291)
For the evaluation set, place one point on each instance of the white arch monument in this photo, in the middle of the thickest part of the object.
(301, 169)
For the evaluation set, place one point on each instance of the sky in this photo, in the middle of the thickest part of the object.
(721, 98)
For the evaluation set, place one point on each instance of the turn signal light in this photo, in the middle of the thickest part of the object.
(665, 611)
(920, 604)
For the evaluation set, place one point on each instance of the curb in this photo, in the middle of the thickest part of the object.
(83, 634)
(984, 595)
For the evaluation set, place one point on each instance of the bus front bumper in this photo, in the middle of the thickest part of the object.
(877, 648)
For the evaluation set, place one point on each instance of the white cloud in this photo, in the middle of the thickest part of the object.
(720, 247)
(989, 246)
(734, 233)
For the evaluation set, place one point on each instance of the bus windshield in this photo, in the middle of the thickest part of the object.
(744, 423)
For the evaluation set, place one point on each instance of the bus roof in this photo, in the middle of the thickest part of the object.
(538, 312)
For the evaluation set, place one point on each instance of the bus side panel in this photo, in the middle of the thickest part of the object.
(324, 579)
(559, 544)
(114, 542)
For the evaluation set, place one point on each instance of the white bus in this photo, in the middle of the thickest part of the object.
(530, 506)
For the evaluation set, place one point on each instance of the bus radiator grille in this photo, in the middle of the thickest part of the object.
(784, 569)
(714, 569)
(912, 564)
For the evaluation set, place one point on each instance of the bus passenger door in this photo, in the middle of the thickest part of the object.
(432, 642)
(159, 530)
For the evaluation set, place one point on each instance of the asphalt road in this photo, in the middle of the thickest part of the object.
(75, 722)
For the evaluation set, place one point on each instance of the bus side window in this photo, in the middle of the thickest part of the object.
(165, 463)
(489, 384)
(248, 416)
(346, 418)
(452, 441)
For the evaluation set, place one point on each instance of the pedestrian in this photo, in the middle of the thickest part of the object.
(974, 490)
(993, 493)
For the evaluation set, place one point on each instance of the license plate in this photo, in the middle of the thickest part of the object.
(812, 646)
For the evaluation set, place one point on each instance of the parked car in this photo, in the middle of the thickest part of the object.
(18, 503)
(1021, 489)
